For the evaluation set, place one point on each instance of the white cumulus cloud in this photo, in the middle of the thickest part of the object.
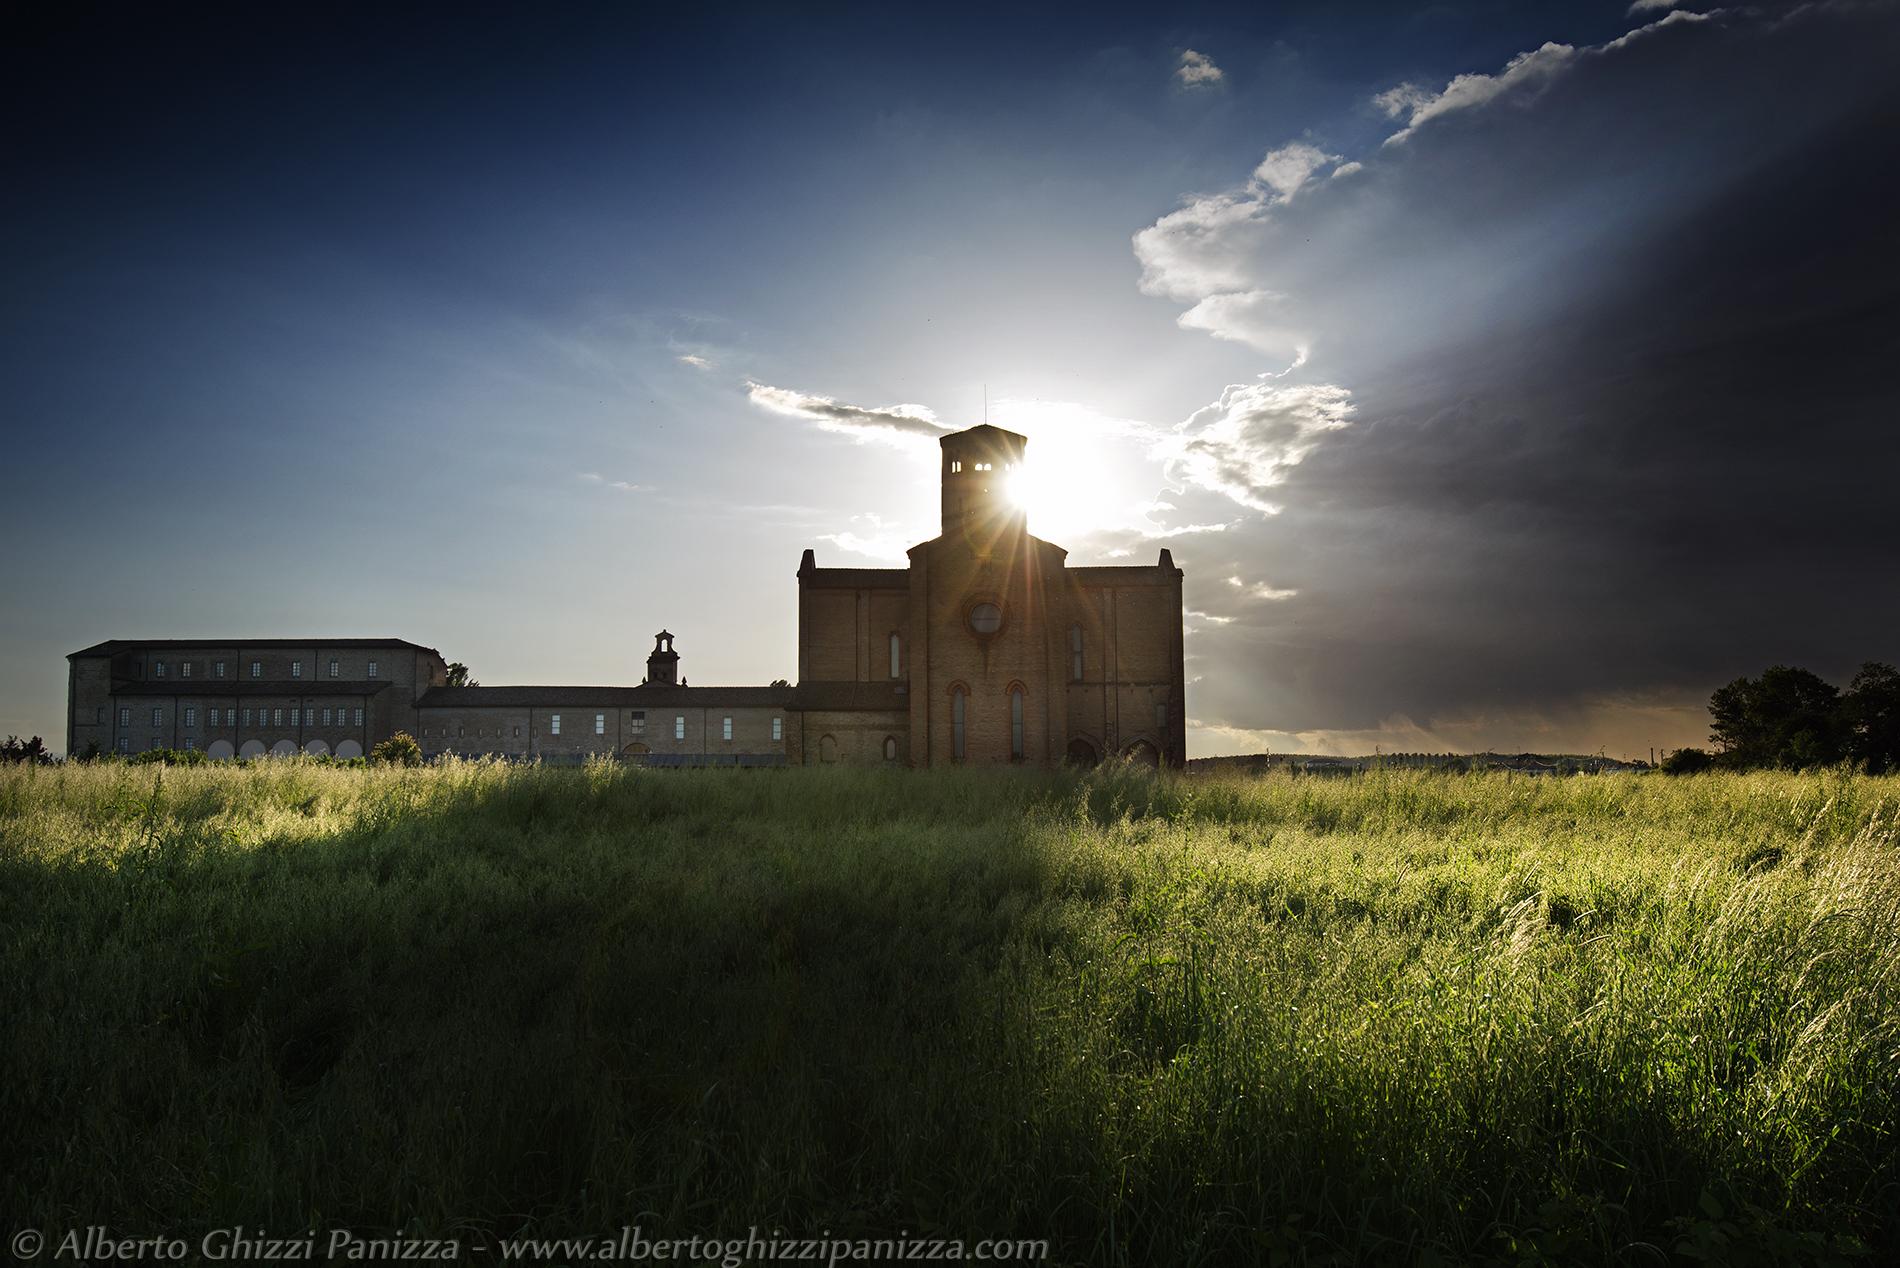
(1526, 73)
(1197, 70)
(1245, 443)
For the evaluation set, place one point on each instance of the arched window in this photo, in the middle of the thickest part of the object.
(956, 724)
(1016, 723)
(827, 749)
(897, 655)
(1075, 653)
(890, 748)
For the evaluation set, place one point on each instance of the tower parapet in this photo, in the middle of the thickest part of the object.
(978, 465)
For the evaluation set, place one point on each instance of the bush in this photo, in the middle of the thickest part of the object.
(399, 749)
(1687, 761)
(167, 757)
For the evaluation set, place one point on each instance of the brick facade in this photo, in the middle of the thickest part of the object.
(246, 698)
(987, 650)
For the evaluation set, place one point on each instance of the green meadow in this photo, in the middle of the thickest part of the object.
(1401, 1017)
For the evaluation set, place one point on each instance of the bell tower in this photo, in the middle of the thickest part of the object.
(978, 465)
(663, 664)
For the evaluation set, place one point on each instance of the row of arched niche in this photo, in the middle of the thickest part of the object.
(221, 750)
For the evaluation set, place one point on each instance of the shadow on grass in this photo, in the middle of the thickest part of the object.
(493, 1002)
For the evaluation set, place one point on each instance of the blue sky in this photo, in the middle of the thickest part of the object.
(523, 336)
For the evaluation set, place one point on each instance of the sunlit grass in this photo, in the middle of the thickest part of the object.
(1158, 1020)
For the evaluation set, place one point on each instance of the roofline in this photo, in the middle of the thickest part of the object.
(1014, 435)
(192, 644)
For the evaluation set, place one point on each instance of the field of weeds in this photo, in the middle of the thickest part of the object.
(1403, 1017)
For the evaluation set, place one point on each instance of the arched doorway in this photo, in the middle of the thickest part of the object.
(284, 748)
(827, 749)
(252, 748)
(1082, 753)
(1143, 753)
(349, 748)
(220, 750)
(317, 748)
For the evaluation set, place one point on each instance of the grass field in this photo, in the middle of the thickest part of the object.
(1400, 1017)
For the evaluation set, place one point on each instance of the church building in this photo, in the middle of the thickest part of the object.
(989, 649)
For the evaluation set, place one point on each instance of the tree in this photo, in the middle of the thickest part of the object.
(1871, 717)
(458, 675)
(1687, 761)
(399, 749)
(1788, 717)
(32, 752)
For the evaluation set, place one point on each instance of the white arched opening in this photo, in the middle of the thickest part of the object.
(252, 748)
(317, 748)
(349, 748)
(220, 751)
(284, 748)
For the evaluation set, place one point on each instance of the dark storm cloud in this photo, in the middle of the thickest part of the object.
(1619, 338)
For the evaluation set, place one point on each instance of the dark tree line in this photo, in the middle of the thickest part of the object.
(32, 751)
(1795, 719)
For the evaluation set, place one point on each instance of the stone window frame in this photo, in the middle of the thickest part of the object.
(1017, 693)
(975, 601)
(959, 693)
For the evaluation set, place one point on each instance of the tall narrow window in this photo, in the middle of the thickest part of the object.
(214, 718)
(257, 669)
(184, 669)
(600, 724)
(956, 724)
(191, 716)
(1016, 723)
(158, 717)
(158, 669)
(247, 717)
(637, 722)
(778, 728)
(554, 723)
(295, 715)
(333, 667)
(1075, 653)
(1161, 715)
(359, 715)
(725, 728)
(326, 717)
(372, 669)
(679, 726)
(125, 717)
(276, 717)
(890, 748)
(217, 669)
(296, 669)
(897, 656)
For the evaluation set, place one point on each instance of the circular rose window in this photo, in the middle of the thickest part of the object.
(986, 618)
